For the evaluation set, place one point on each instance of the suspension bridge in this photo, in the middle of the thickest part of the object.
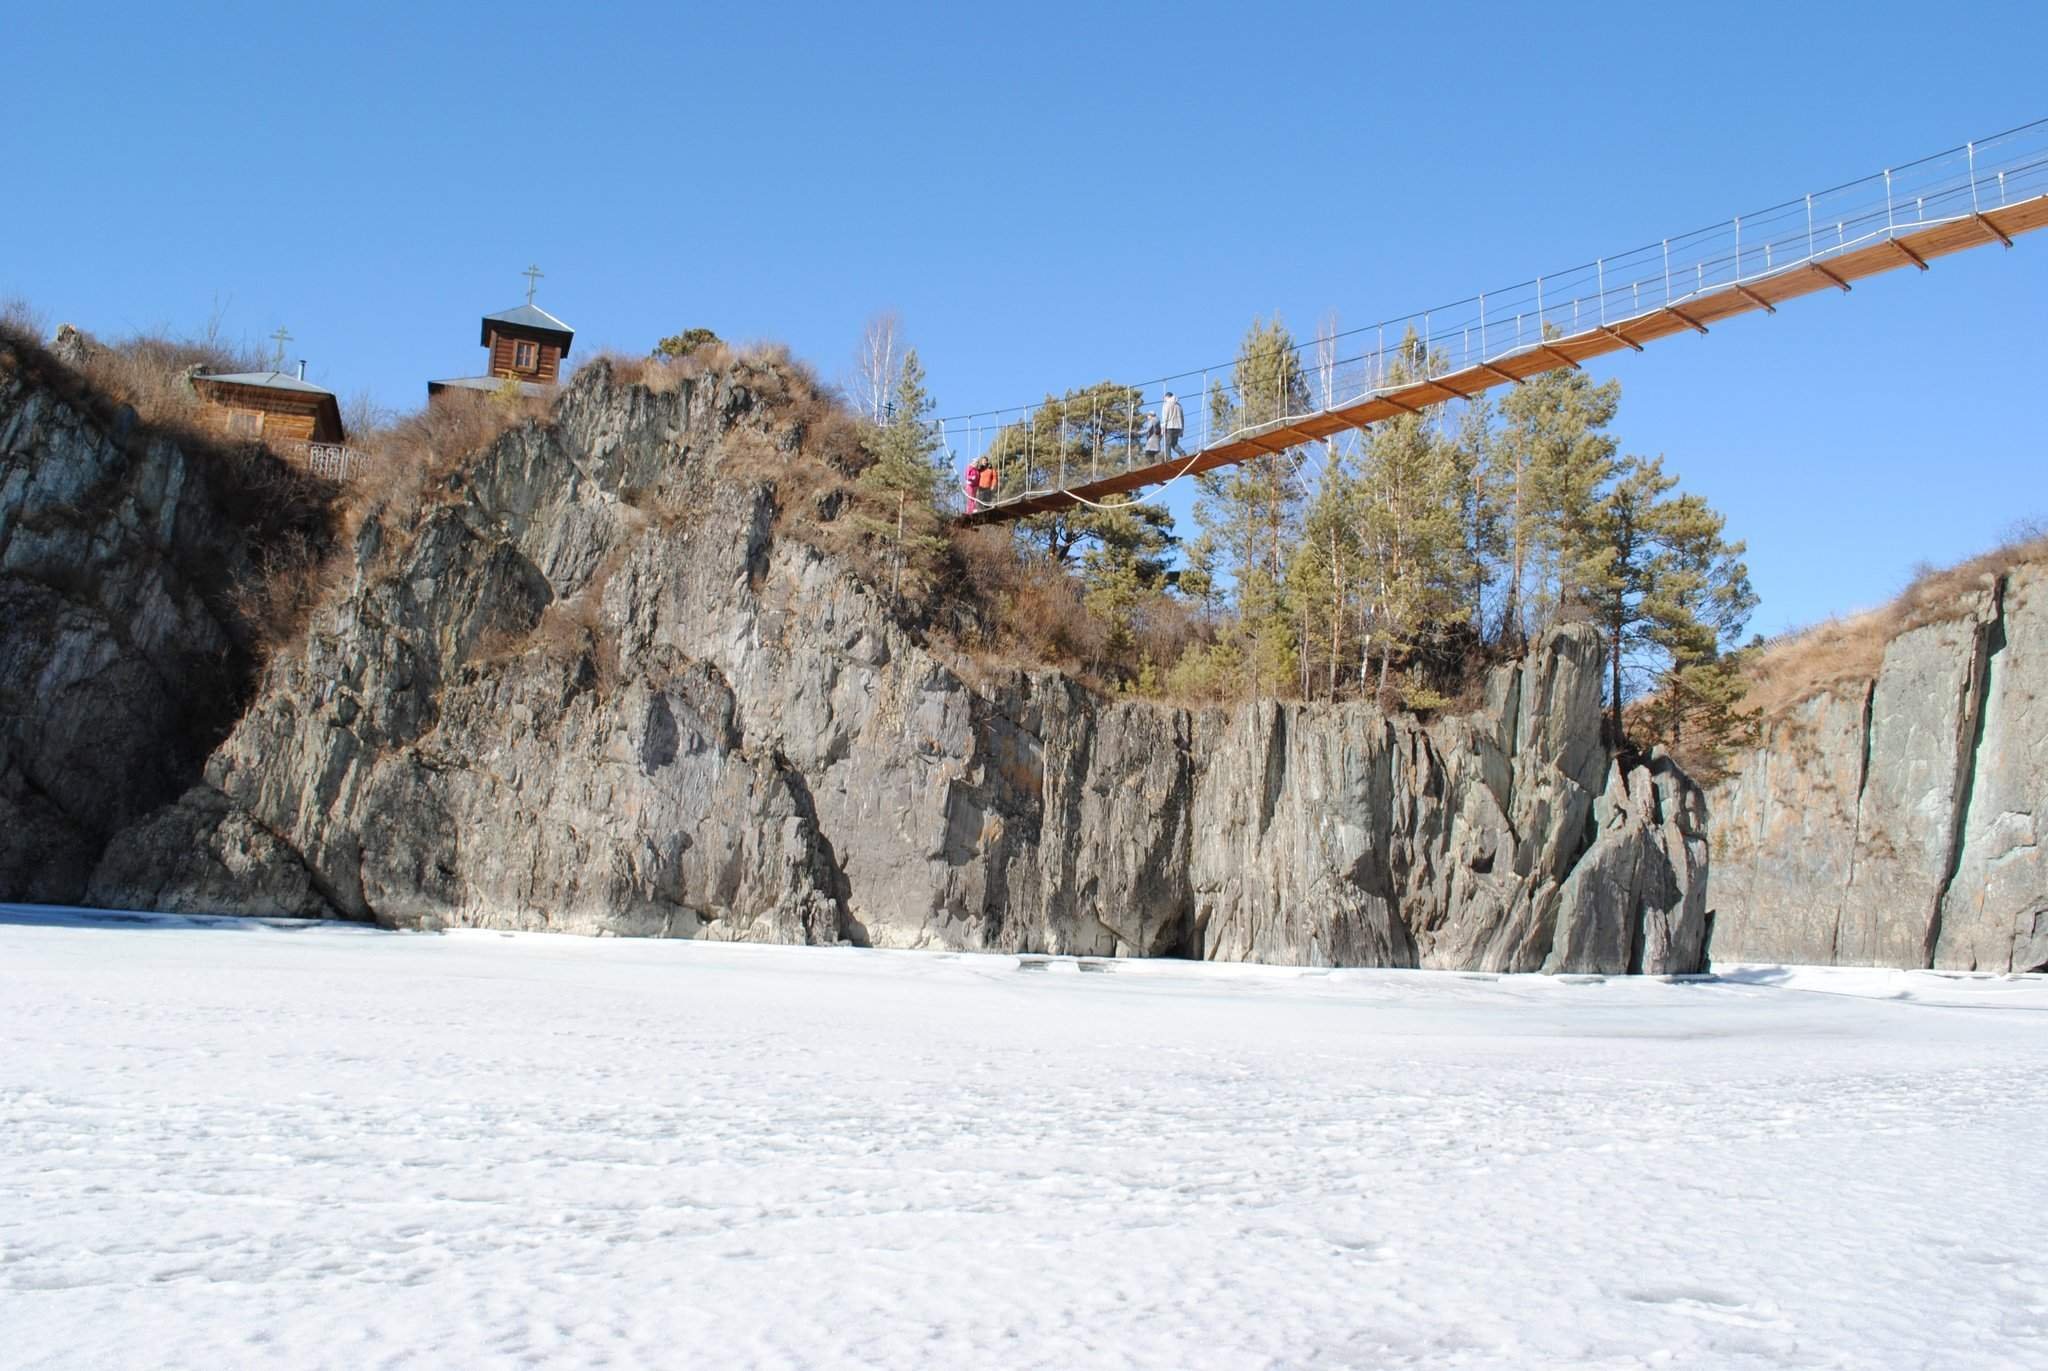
(1056, 454)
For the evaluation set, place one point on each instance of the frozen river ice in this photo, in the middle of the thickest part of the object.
(226, 1143)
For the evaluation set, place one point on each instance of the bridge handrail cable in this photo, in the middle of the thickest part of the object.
(1494, 326)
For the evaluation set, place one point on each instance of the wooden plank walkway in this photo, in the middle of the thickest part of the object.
(1696, 315)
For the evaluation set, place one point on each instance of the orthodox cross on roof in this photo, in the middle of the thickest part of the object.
(280, 338)
(532, 275)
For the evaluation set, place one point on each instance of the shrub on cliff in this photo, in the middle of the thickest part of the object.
(690, 340)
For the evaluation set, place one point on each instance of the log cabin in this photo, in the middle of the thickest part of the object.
(526, 346)
(270, 406)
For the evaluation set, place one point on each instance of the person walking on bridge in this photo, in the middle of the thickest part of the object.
(1171, 425)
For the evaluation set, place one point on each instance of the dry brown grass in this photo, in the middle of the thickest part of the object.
(662, 375)
(575, 628)
(1017, 610)
(776, 376)
(780, 373)
(801, 439)
(417, 462)
(152, 373)
(285, 520)
(147, 373)
(21, 322)
(1844, 654)
(276, 603)
(829, 432)
(1004, 608)
(808, 449)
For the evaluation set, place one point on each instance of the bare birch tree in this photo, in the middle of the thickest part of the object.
(877, 364)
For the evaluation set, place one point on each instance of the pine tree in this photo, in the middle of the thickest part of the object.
(1696, 713)
(1665, 586)
(1265, 632)
(900, 487)
(1067, 439)
(1552, 458)
(1326, 577)
(1197, 579)
(1475, 456)
(1251, 513)
(1414, 536)
(1126, 565)
(1412, 526)
(1253, 507)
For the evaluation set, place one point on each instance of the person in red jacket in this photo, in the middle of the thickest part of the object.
(971, 483)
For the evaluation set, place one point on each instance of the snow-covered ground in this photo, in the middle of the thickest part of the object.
(229, 1143)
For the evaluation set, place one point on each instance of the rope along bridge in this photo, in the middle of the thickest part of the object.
(1059, 454)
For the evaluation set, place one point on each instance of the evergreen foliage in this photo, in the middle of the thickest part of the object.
(1410, 515)
(1252, 513)
(1668, 591)
(901, 486)
(1552, 455)
(679, 345)
(1395, 563)
(1090, 431)
(1125, 564)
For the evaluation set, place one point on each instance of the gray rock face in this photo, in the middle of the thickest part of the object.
(119, 667)
(1994, 912)
(1638, 900)
(1896, 826)
(593, 688)
(1332, 835)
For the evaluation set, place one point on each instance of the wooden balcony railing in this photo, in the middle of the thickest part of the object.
(333, 461)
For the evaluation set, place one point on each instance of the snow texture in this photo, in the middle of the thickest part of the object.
(279, 1143)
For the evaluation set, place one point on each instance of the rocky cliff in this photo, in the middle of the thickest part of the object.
(591, 682)
(122, 663)
(1896, 822)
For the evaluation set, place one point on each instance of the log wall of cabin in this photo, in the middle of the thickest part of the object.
(504, 349)
(285, 418)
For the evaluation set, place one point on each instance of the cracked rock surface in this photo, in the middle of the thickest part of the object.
(120, 665)
(1898, 824)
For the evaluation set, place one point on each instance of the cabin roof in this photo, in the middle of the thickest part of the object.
(528, 316)
(268, 380)
(491, 383)
(327, 409)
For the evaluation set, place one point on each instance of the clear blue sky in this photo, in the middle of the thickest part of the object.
(1052, 195)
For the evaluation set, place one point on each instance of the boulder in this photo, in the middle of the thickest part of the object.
(204, 856)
